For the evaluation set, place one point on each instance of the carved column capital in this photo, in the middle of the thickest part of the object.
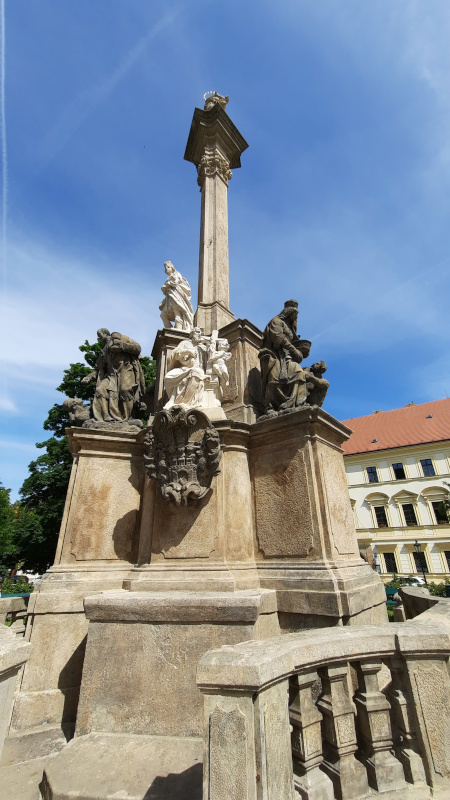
(213, 163)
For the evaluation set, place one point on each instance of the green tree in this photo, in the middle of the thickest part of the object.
(20, 534)
(44, 491)
(8, 549)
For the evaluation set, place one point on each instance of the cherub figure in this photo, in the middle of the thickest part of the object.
(218, 355)
(78, 413)
(316, 385)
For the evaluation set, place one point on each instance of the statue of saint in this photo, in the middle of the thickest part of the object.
(120, 380)
(185, 380)
(283, 379)
(176, 306)
(197, 372)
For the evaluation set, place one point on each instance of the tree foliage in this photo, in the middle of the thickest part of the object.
(21, 534)
(44, 491)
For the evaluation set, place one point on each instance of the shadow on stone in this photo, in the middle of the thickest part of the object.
(173, 523)
(253, 392)
(125, 536)
(187, 784)
(69, 682)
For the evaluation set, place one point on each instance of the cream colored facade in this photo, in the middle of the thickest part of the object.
(392, 539)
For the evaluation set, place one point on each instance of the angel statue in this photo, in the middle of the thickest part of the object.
(176, 306)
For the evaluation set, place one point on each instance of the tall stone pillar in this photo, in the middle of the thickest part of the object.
(214, 146)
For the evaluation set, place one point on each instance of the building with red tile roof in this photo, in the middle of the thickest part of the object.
(413, 424)
(398, 471)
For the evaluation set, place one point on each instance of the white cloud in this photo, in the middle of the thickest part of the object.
(7, 405)
(55, 301)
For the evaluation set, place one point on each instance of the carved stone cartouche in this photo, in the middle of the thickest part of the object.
(182, 453)
(286, 385)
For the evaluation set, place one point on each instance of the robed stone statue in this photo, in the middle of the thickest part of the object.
(286, 385)
(176, 306)
(120, 380)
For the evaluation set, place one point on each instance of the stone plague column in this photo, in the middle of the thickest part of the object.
(214, 146)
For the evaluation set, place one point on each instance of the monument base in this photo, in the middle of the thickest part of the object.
(140, 715)
(142, 653)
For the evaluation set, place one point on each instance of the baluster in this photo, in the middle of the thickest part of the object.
(383, 769)
(405, 741)
(348, 775)
(310, 782)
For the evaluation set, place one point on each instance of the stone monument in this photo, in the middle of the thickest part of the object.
(210, 527)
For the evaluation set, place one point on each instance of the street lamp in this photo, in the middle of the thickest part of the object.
(376, 562)
(418, 550)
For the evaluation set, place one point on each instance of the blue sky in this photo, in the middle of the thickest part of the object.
(342, 201)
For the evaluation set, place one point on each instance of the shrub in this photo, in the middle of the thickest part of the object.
(20, 586)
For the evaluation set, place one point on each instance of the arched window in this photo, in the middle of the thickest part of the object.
(408, 508)
(379, 506)
(434, 497)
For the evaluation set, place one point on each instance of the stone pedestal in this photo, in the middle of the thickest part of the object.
(278, 516)
(143, 650)
(243, 397)
(139, 697)
(97, 546)
(306, 544)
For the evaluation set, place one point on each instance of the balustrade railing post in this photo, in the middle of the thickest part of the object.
(306, 738)
(405, 740)
(424, 651)
(348, 775)
(384, 770)
(247, 746)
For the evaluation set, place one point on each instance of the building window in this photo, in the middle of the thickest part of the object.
(372, 474)
(390, 562)
(409, 514)
(440, 513)
(447, 558)
(427, 467)
(380, 513)
(399, 472)
(420, 562)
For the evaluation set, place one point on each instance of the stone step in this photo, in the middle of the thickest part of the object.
(105, 766)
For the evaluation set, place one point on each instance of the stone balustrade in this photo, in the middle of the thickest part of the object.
(14, 610)
(13, 655)
(344, 713)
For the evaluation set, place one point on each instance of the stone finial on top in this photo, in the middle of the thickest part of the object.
(211, 98)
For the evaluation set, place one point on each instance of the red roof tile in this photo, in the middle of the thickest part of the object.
(400, 427)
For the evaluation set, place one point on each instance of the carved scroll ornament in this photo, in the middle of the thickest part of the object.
(182, 453)
(213, 163)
